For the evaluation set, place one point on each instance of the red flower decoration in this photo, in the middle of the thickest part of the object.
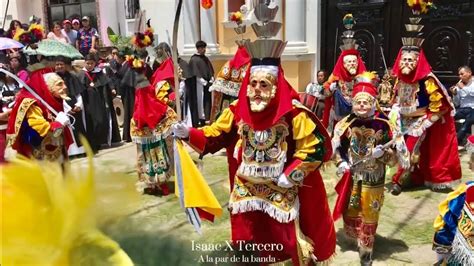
(206, 4)
(37, 35)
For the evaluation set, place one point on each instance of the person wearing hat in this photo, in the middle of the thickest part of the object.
(87, 38)
(362, 148)
(424, 111)
(33, 129)
(275, 147)
(338, 87)
(69, 32)
(76, 25)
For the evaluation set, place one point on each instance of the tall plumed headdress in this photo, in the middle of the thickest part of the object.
(134, 48)
(265, 53)
(413, 40)
(348, 41)
(265, 50)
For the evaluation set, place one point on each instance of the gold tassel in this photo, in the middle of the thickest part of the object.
(305, 246)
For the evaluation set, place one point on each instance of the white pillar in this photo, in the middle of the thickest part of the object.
(208, 29)
(295, 27)
(315, 8)
(190, 17)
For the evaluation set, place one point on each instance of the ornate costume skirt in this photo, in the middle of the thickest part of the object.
(362, 215)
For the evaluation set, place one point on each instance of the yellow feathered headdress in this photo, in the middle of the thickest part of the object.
(49, 217)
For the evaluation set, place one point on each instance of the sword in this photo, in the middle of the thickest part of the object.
(383, 59)
(175, 58)
(5, 15)
(36, 95)
(386, 145)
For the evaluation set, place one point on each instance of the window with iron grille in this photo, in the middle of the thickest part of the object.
(131, 8)
(59, 10)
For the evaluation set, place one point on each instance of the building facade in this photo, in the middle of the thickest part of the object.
(299, 18)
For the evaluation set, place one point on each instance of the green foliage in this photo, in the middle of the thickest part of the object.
(119, 41)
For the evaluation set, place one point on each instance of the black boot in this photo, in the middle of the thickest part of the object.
(396, 189)
(365, 258)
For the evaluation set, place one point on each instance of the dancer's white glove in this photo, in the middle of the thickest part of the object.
(212, 80)
(180, 130)
(203, 81)
(377, 152)
(62, 118)
(284, 182)
(342, 168)
(182, 86)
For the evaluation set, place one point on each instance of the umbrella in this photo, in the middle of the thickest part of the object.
(54, 48)
(7, 43)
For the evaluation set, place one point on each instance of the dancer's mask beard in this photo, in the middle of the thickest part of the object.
(57, 87)
(350, 64)
(408, 62)
(363, 106)
(261, 90)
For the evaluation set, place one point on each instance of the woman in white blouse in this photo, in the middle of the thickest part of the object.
(56, 33)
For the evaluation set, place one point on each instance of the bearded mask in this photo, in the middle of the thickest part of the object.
(408, 62)
(56, 86)
(350, 64)
(262, 87)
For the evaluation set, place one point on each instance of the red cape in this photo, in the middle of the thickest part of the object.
(240, 58)
(164, 72)
(148, 110)
(439, 157)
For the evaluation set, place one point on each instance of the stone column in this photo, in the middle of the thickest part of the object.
(190, 18)
(295, 26)
(209, 29)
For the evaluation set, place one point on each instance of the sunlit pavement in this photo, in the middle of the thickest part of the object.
(404, 233)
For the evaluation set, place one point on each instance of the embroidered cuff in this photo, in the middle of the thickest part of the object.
(294, 174)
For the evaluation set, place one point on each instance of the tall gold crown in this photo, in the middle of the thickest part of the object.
(266, 46)
(414, 32)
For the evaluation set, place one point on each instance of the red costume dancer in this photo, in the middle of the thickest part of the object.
(424, 112)
(338, 88)
(278, 196)
(226, 88)
(363, 147)
(32, 130)
(151, 126)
